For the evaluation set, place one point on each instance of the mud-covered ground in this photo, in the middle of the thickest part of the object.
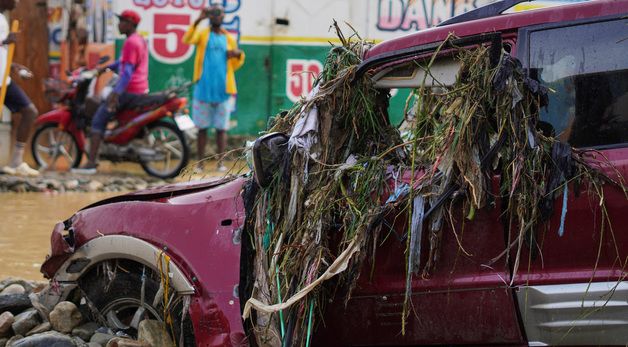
(110, 178)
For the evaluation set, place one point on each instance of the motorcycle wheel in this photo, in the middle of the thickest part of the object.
(122, 294)
(171, 153)
(55, 149)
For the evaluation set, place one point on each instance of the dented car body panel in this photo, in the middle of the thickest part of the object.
(199, 231)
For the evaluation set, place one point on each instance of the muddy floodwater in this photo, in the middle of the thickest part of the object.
(26, 221)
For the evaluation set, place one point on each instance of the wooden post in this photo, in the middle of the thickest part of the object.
(31, 49)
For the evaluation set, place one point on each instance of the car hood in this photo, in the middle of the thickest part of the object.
(166, 191)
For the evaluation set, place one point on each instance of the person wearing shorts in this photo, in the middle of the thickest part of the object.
(15, 99)
(211, 115)
(217, 58)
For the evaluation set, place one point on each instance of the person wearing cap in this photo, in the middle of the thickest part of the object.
(132, 68)
(15, 98)
(217, 58)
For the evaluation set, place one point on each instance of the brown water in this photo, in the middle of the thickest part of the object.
(26, 221)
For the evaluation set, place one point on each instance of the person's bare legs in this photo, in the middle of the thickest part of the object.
(28, 115)
(92, 156)
(221, 144)
(201, 142)
(94, 144)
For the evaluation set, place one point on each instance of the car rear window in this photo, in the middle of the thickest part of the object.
(586, 68)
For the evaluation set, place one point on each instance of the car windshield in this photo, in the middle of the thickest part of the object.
(403, 80)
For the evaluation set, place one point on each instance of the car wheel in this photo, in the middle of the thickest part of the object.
(121, 293)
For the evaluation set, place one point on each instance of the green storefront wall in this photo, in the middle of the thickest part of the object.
(261, 82)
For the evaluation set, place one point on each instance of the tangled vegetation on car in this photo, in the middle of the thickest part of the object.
(322, 215)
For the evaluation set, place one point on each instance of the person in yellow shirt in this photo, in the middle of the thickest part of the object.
(217, 58)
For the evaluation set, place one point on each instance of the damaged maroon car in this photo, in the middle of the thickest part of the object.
(178, 253)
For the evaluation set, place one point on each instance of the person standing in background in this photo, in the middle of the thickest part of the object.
(217, 58)
(16, 100)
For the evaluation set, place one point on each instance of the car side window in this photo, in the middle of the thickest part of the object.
(586, 68)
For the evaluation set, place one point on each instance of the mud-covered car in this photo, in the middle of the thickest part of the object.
(183, 246)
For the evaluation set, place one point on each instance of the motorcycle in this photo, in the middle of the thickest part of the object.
(150, 132)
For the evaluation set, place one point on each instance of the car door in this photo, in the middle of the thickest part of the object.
(463, 300)
(571, 284)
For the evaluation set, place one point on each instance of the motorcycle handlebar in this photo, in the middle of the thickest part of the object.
(178, 90)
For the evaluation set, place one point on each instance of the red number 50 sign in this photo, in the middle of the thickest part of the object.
(300, 77)
(167, 39)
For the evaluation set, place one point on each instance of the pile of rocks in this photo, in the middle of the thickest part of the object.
(59, 182)
(25, 323)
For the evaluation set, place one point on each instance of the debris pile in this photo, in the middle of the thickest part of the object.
(25, 322)
(66, 182)
(321, 216)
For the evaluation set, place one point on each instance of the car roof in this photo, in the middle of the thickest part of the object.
(501, 23)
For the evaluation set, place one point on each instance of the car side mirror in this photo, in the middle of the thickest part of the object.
(268, 151)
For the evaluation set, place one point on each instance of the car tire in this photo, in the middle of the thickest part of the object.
(111, 294)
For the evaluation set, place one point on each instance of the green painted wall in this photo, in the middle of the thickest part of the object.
(261, 82)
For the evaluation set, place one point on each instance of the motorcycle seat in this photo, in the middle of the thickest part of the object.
(148, 101)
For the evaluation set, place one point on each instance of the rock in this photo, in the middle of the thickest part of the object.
(40, 187)
(6, 320)
(37, 287)
(13, 289)
(41, 328)
(19, 188)
(79, 341)
(36, 298)
(154, 332)
(14, 303)
(91, 344)
(28, 285)
(11, 342)
(65, 317)
(12, 181)
(117, 181)
(122, 334)
(71, 184)
(122, 342)
(85, 331)
(141, 186)
(101, 338)
(25, 321)
(52, 183)
(104, 330)
(47, 339)
(94, 186)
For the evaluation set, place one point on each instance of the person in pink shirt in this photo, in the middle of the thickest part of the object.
(132, 67)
